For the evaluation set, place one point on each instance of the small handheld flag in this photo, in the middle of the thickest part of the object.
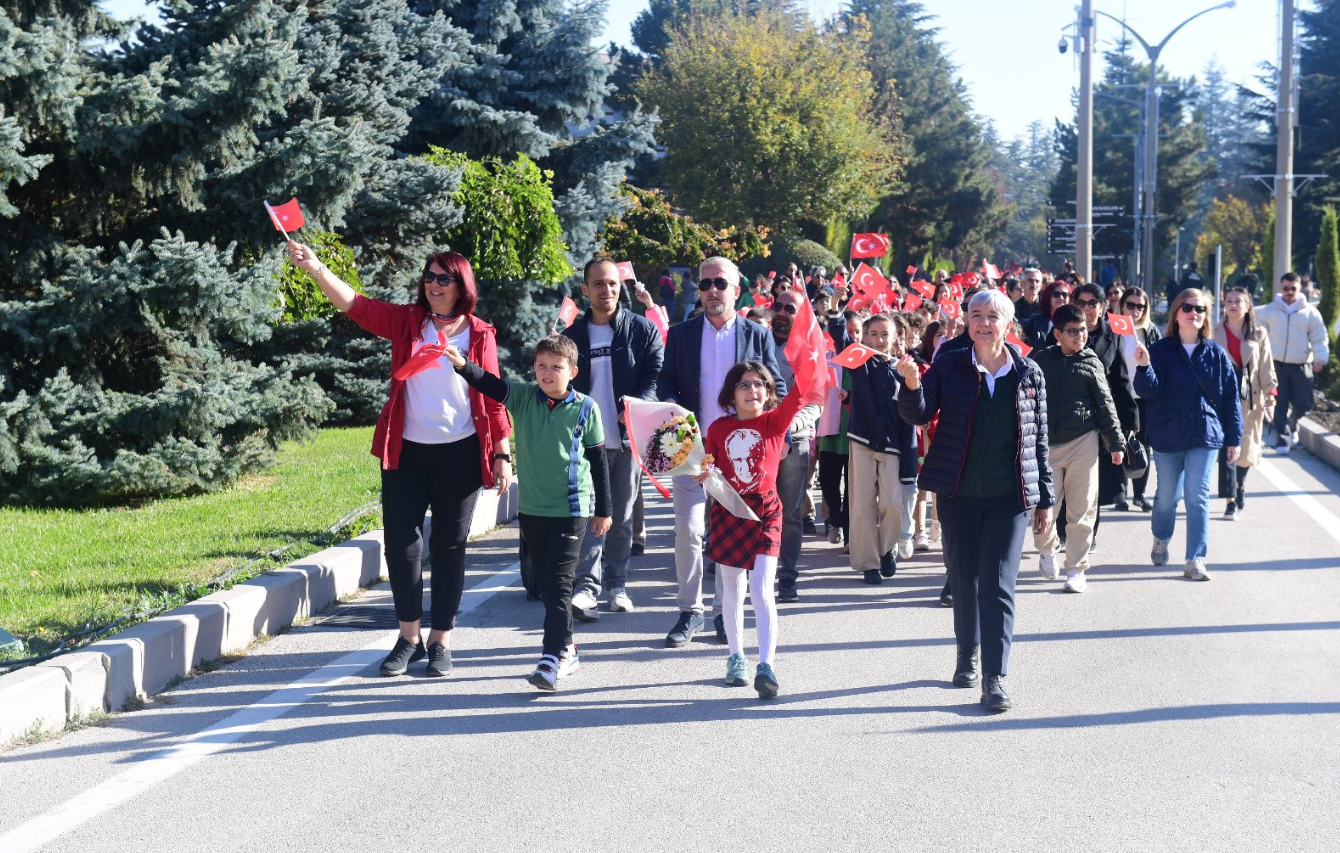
(925, 288)
(1121, 324)
(853, 357)
(949, 308)
(1012, 338)
(869, 245)
(286, 217)
(912, 301)
(567, 312)
(626, 271)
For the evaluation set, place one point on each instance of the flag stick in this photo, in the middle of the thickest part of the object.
(275, 219)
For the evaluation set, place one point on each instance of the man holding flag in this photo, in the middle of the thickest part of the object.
(796, 332)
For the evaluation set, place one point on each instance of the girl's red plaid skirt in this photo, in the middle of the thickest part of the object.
(734, 541)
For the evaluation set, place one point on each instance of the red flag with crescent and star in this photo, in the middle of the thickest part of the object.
(949, 308)
(804, 352)
(1121, 324)
(869, 245)
(567, 312)
(853, 356)
(925, 288)
(287, 216)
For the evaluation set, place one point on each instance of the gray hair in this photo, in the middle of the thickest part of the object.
(994, 298)
(1030, 271)
(732, 272)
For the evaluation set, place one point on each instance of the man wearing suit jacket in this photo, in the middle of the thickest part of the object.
(698, 354)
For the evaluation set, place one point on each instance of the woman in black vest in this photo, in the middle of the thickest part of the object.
(988, 468)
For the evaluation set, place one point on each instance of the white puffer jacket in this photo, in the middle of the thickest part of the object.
(1297, 335)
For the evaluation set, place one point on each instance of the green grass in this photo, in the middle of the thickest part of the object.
(63, 569)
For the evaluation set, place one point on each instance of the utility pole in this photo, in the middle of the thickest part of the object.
(1284, 118)
(1084, 126)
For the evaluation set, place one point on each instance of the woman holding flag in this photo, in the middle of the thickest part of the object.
(439, 441)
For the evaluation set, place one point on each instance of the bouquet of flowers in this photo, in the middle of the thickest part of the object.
(675, 447)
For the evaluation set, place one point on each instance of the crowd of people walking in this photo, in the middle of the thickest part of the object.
(1022, 406)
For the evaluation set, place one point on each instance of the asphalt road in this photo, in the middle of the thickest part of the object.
(1152, 713)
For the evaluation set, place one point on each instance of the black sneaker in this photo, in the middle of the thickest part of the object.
(402, 655)
(439, 660)
(872, 577)
(786, 593)
(1121, 506)
(719, 623)
(808, 527)
(638, 549)
(946, 596)
(1231, 513)
(682, 634)
(888, 565)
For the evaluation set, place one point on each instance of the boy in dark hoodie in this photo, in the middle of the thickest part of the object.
(1079, 410)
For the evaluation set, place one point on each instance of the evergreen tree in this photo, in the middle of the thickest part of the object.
(946, 199)
(1024, 168)
(1328, 276)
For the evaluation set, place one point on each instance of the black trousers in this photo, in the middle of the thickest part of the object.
(1294, 395)
(983, 540)
(552, 546)
(447, 478)
(833, 484)
(1139, 483)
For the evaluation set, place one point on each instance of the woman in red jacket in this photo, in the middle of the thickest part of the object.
(439, 441)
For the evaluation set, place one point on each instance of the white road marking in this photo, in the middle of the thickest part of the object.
(150, 771)
(1327, 520)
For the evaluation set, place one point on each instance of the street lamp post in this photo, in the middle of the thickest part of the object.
(1151, 159)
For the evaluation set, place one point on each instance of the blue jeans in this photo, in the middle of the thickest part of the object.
(1192, 468)
(616, 544)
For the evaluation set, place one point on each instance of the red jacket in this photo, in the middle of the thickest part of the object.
(401, 324)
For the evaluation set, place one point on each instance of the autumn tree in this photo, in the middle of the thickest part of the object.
(1238, 225)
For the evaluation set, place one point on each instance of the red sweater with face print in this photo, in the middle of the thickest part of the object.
(748, 452)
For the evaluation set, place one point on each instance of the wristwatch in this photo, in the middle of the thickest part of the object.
(506, 457)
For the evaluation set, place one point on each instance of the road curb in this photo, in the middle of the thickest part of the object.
(1319, 441)
(144, 660)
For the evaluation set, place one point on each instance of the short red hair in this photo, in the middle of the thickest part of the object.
(454, 264)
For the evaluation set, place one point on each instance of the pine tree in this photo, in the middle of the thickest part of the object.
(1328, 276)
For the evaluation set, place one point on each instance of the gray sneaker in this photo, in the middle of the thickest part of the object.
(620, 602)
(1196, 571)
(1159, 556)
(584, 606)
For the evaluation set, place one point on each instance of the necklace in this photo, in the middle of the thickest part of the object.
(446, 318)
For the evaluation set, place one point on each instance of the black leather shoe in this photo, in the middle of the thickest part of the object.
(946, 596)
(719, 623)
(786, 593)
(994, 696)
(685, 628)
(872, 577)
(808, 527)
(1121, 506)
(638, 549)
(965, 674)
(888, 565)
(402, 655)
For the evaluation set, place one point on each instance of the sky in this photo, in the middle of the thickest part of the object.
(1006, 49)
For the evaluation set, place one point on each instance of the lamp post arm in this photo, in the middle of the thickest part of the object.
(1127, 28)
(1229, 5)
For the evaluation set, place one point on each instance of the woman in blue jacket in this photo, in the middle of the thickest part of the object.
(1191, 394)
(988, 468)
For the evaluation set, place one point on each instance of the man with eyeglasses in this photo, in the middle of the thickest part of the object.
(698, 354)
(619, 355)
(1027, 305)
(1298, 345)
(794, 468)
(1079, 410)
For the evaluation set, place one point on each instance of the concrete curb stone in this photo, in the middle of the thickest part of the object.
(143, 660)
(1320, 442)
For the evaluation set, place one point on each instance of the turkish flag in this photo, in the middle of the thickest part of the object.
(287, 216)
(949, 308)
(762, 301)
(971, 279)
(1012, 338)
(912, 301)
(626, 271)
(829, 345)
(869, 245)
(838, 279)
(1121, 324)
(925, 288)
(853, 357)
(867, 279)
(990, 270)
(804, 352)
(956, 291)
(567, 312)
(911, 270)
(424, 358)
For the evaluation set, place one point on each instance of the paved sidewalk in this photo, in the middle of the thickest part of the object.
(1152, 713)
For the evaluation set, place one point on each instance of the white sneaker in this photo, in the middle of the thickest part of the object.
(834, 535)
(1196, 571)
(621, 603)
(568, 662)
(905, 549)
(585, 607)
(1075, 582)
(545, 675)
(1047, 565)
(920, 542)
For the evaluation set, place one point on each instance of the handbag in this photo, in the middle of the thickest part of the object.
(1136, 461)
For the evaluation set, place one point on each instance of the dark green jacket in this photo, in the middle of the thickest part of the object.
(1078, 398)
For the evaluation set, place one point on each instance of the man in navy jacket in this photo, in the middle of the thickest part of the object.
(619, 355)
(698, 354)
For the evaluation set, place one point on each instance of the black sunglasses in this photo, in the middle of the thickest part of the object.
(443, 278)
(1135, 306)
(1188, 308)
(709, 283)
(1088, 303)
(1060, 294)
(785, 306)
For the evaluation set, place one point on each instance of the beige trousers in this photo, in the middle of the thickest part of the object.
(874, 501)
(1075, 478)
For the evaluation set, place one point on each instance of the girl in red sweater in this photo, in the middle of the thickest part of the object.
(750, 445)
